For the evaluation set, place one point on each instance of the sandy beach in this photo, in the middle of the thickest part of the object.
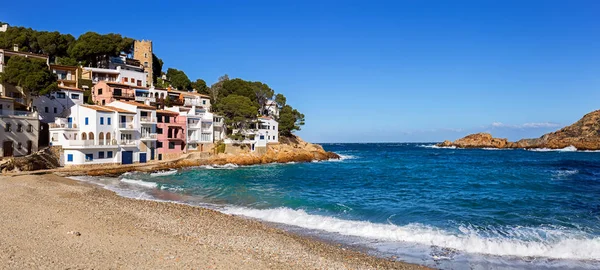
(52, 222)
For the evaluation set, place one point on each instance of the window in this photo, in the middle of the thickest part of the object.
(262, 137)
(46, 109)
(273, 127)
(125, 79)
(87, 121)
(159, 130)
(108, 121)
(109, 154)
(139, 83)
(70, 158)
(74, 96)
(19, 146)
(203, 102)
(146, 55)
(171, 145)
(101, 154)
(273, 137)
(167, 119)
(159, 145)
(7, 128)
(269, 137)
(101, 120)
(54, 109)
(132, 80)
(146, 64)
(60, 95)
(159, 118)
(19, 128)
(30, 128)
(100, 91)
(89, 157)
(103, 102)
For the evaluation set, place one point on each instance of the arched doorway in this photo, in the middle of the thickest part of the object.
(108, 142)
(101, 138)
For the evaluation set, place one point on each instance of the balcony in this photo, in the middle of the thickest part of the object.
(126, 126)
(62, 126)
(89, 144)
(177, 137)
(194, 125)
(127, 143)
(144, 99)
(218, 124)
(148, 137)
(123, 95)
(147, 120)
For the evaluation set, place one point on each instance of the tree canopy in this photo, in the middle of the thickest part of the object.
(30, 74)
(239, 111)
(157, 65)
(90, 46)
(40, 42)
(200, 86)
(289, 120)
(178, 79)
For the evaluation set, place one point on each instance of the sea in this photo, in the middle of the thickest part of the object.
(446, 208)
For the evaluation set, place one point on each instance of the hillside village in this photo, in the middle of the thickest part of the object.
(114, 113)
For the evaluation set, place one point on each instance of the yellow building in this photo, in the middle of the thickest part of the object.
(143, 52)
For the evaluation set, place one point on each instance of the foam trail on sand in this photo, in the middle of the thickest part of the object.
(139, 183)
(519, 242)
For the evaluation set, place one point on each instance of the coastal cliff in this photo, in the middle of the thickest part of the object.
(583, 135)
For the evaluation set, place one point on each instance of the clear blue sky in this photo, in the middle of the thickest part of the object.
(373, 71)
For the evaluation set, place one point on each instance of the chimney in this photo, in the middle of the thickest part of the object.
(16, 47)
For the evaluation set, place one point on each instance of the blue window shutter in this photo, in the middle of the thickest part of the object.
(70, 157)
(109, 154)
(87, 121)
(101, 120)
(108, 121)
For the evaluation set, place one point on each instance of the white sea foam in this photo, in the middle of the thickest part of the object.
(227, 166)
(163, 173)
(437, 147)
(139, 183)
(547, 243)
(566, 149)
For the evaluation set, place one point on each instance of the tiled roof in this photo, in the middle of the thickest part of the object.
(167, 112)
(70, 88)
(98, 108)
(119, 110)
(139, 105)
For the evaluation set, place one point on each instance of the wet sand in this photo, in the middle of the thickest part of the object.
(48, 221)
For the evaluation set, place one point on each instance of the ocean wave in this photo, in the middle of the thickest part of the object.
(163, 173)
(518, 242)
(139, 183)
(566, 149)
(436, 147)
(227, 166)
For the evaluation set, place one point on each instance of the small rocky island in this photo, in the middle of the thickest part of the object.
(583, 135)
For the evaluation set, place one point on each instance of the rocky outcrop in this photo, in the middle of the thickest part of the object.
(583, 135)
(44, 159)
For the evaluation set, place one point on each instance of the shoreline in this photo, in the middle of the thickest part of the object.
(45, 213)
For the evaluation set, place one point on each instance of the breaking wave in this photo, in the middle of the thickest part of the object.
(437, 147)
(566, 149)
(139, 183)
(163, 173)
(518, 241)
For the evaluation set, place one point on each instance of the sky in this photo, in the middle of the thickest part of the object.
(373, 71)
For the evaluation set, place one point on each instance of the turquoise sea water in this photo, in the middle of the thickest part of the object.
(446, 208)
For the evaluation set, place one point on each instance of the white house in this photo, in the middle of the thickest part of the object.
(199, 127)
(19, 130)
(263, 132)
(219, 131)
(271, 109)
(139, 128)
(87, 135)
(57, 104)
(119, 75)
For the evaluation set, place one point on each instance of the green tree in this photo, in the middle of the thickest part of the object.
(217, 87)
(157, 65)
(280, 100)
(91, 46)
(178, 79)
(200, 86)
(31, 74)
(239, 111)
(289, 120)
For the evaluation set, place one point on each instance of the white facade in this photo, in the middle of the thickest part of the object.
(139, 129)
(218, 127)
(266, 131)
(87, 136)
(199, 125)
(118, 75)
(57, 104)
(19, 131)
(272, 109)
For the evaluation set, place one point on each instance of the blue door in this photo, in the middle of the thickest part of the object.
(142, 157)
(127, 157)
(70, 120)
(151, 153)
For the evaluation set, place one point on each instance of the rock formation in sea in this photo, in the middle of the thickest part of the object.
(583, 135)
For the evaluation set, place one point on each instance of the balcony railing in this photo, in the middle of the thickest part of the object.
(149, 136)
(141, 98)
(123, 95)
(17, 113)
(147, 119)
(62, 125)
(126, 142)
(127, 125)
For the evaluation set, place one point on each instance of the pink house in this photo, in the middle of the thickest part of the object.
(171, 130)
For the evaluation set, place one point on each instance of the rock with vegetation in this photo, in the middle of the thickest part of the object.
(583, 135)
